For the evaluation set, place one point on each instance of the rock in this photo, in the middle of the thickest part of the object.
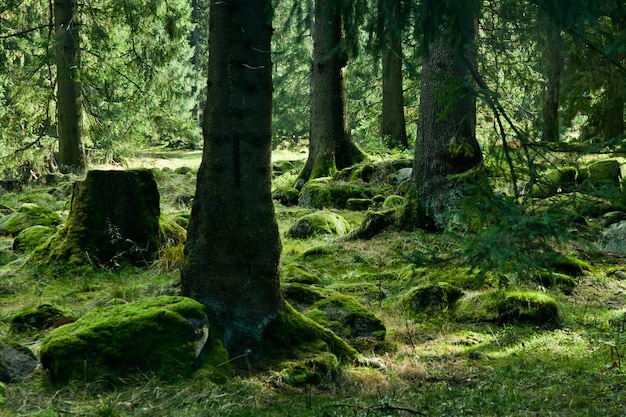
(346, 317)
(41, 317)
(358, 204)
(601, 173)
(287, 196)
(613, 239)
(32, 237)
(16, 363)
(503, 307)
(324, 193)
(392, 202)
(432, 297)
(374, 223)
(163, 335)
(317, 223)
(28, 215)
(612, 217)
(555, 182)
(400, 176)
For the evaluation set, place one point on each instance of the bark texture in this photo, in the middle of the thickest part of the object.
(446, 141)
(69, 93)
(232, 252)
(330, 143)
(393, 125)
(554, 67)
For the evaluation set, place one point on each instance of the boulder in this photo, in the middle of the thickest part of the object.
(503, 307)
(319, 223)
(163, 335)
(432, 297)
(32, 237)
(16, 363)
(346, 317)
(28, 215)
(554, 182)
(613, 239)
(41, 317)
(324, 193)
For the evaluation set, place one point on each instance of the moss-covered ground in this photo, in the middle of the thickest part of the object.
(430, 364)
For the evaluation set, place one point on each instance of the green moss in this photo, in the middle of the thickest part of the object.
(215, 364)
(310, 371)
(32, 237)
(392, 202)
(30, 215)
(506, 307)
(358, 204)
(554, 182)
(316, 194)
(319, 223)
(554, 279)
(323, 193)
(571, 265)
(291, 334)
(302, 296)
(41, 317)
(295, 272)
(147, 336)
(432, 297)
(346, 317)
(600, 173)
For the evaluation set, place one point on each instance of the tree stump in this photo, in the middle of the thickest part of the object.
(113, 220)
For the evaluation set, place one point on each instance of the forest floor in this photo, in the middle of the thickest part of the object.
(430, 365)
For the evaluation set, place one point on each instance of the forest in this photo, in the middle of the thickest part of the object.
(322, 208)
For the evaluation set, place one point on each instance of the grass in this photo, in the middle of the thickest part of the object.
(432, 365)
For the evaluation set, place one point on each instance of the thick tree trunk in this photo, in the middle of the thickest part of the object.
(554, 67)
(446, 141)
(69, 94)
(330, 144)
(113, 220)
(393, 127)
(233, 246)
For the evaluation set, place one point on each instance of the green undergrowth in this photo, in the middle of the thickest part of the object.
(433, 364)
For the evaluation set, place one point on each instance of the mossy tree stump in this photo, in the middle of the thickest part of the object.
(113, 219)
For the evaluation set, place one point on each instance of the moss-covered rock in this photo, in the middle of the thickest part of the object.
(374, 223)
(324, 193)
(163, 335)
(346, 317)
(312, 370)
(432, 297)
(32, 237)
(508, 306)
(392, 202)
(555, 182)
(41, 317)
(291, 334)
(319, 223)
(613, 239)
(298, 273)
(571, 265)
(28, 215)
(302, 296)
(358, 204)
(601, 173)
(287, 196)
(549, 279)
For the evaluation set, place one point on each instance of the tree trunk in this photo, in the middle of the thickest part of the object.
(330, 144)
(554, 66)
(393, 128)
(446, 140)
(113, 220)
(69, 94)
(614, 111)
(233, 246)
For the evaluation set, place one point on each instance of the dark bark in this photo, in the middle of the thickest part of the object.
(113, 220)
(69, 93)
(446, 141)
(554, 67)
(614, 112)
(330, 143)
(393, 126)
(233, 247)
